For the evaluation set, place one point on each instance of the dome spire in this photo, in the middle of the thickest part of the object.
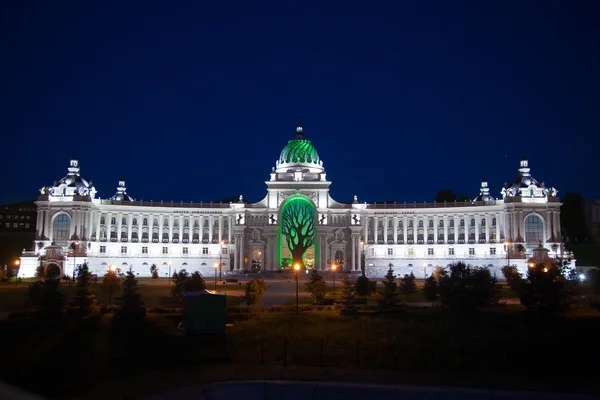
(299, 132)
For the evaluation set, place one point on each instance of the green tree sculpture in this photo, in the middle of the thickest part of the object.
(298, 227)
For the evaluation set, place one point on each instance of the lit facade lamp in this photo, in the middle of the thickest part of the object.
(18, 266)
(333, 268)
(507, 249)
(296, 272)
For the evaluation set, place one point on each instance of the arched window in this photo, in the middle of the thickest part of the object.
(186, 223)
(155, 222)
(60, 228)
(431, 223)
(123, 221)
(145, 221)
(380, 224)
(410, 223)
(534, 230)
(482, 221)
(420, 224)
(102, 221)
(134, 222)
(451, 223)
(462, 223)
(196, 224)
(113, 221)
(531, 192)
(175, 223)
(441, 223)
(165, 222)
(472, 221)
(400, 224)
(493, 221)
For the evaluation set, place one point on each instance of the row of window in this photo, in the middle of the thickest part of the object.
(165, 250)
(431, 251)
(17, 225)
(441, 223)
(134, 222)
(15, 216)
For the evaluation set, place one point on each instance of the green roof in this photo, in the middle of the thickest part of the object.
(299, 151)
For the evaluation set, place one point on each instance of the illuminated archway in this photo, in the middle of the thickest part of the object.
(298, 227)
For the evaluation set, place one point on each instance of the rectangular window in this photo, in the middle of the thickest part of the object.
(185, 250)
(225, 250)
(165, 250)
(144, 250)
(390, 251)
(430, 251)
(26, 225)
(102, 249)
(8, 224)
(15, 225)
(123, 249)
(411, 251)
(28, 217)
(471, 251)
(451, 251)
(493, 251)
(205, 250)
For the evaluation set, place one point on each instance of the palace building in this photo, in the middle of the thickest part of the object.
(297, 219)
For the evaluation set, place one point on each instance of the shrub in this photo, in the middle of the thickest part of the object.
(84, 301)
(316, 287)
(388, 300)
(364, 286)
(193, 283)
(408, 285)
(130, 307)
(178, 279)
(255, 291)
(346, 306)
(431, 289)
(467, 288)
(48, 300)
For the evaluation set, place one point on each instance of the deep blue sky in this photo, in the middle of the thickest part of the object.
(195, 102)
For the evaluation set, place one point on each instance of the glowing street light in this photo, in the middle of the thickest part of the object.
(18, 265)
(333, 268)
(507, 249)
(545, 269)
(531, 265)
(297, 271)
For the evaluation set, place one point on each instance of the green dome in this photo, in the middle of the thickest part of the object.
(299, 151)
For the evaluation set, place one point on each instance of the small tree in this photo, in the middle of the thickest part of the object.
(431, 289)
(255, 291)
(316, 287)
(179, 278)
(48, 300)
(408, 285)
(346, 305)
(193, 283)
(513, 278)
(84, 301)
(40, 272)
(130, 307)
(545, 288)
(154, 271)
(388, 300)
(364, 287)
(467, 288)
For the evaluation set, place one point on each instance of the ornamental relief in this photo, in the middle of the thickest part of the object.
(282, 196)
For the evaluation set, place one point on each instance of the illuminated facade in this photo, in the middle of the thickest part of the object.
(297, 217)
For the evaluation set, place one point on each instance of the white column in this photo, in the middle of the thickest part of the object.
(497, 228)
(425, 229)
(118, 221)
(171, 228)
(435, 229)
(445, 229)
(230, 225)
(456, 228)
(557, 237)
(365, 221)
(98, 216)
(39, 224)
(129, 227)
(415, 229)
(395, 223)
(487, 228)
(385, 229)
(201, 232)
(353, 242)
(160, 227)
(242, 251)
(405, 226)
(220, 228)
(375, 229)
(477, 222)
(210, 229)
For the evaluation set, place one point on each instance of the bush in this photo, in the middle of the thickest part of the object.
(364, 286)
(193, 283)
(154, 271)
(84, 301)
(408, 285)
(316, 287)
(467, 288)
(178, 279)
(388, 301)
(255, 291)
(431, 289)
(48, 300)
(346, 306)
(130, 307)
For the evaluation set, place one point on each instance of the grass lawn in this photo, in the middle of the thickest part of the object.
(501, 347)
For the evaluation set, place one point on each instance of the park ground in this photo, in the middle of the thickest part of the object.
(501, 347)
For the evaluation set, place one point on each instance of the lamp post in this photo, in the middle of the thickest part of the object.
(216, 268)
(296, 272)
(333, 267)
(507, 249)
(111, 271)
(363, 260)
(18, 265)
(220, 257)
(74, 246)
(169, 272)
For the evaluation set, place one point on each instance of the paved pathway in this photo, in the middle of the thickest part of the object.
(290, 390)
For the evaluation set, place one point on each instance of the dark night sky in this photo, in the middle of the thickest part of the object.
(195, 102)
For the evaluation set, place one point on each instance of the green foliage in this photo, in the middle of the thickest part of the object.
(316, 286)
(545, 288)
(346, 305)
(4, 274)
(364, 286)
(131, 310)
(40, 272)
(193, 283)
(467, 288)
(431, 289)
(255, 291)
(178, 279)
(388, 300)
(154, 271)
(408, 285)
(84, 301)
(298, 226)
(111, 283)
(513, 278)
(49, 301)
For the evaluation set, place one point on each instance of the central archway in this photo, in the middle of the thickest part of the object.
(298, 220)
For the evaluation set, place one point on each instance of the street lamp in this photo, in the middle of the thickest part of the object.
(74, 246)
(169, 272)
(297, 271)
(17, 264)
(221, 243)
(216, 268)
(531, 265)
(333, 267)
(507, 249)
(363, 260)
(111, 271)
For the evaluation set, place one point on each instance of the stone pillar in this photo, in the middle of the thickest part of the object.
(130, 227)
(353, 244)
(477, 222)
(170, 228)
(435, 229)
(456, 228)
(160, 228)
(242, 251)
(365, 220)
(445, 229)
(395, 230)
(487, 228)
(98, 216)
(497, 228)
(405, 225)
(220, 228)
(557, 236)
(385, 229)
(230, 225)
(375, 230)
(119, 221)
(201, 230)
(210, 229)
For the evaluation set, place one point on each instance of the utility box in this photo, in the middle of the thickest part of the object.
(204, 312)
